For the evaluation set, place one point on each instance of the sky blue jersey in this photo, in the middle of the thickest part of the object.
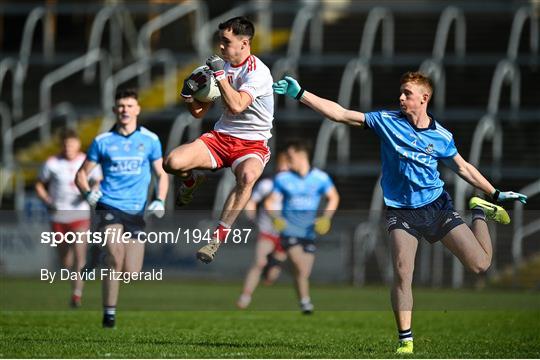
(126, 163)
(409, 155)
(301, 198)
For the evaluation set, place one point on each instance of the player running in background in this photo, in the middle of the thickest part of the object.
(301, 189)
(412, 144)
(127, 154)
(239, 137)
(269, 255)
(68, 210)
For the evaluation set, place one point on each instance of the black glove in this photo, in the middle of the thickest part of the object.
(192, 84)
(216, 64)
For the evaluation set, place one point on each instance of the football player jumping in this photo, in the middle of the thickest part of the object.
(239, 138)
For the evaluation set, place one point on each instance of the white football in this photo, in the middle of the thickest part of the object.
(209, 92)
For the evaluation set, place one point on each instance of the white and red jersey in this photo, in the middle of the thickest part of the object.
(262, 190)
(59, 175)
(254, 123)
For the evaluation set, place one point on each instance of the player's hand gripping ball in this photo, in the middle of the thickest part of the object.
(201, 85)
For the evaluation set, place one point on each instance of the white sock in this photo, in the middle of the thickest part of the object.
(305, 300)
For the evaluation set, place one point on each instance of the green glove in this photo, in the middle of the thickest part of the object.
(288, 86)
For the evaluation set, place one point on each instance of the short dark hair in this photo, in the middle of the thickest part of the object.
(68, 133)
(299, 145)
(239, 25)
(126, 93)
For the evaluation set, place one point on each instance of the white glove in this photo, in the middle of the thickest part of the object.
(157, 208)
(93, 197)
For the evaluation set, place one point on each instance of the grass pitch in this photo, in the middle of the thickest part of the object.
(188, 320)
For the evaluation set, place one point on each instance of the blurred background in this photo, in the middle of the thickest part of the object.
(62, 61)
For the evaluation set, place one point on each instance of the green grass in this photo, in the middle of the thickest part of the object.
(189, 320)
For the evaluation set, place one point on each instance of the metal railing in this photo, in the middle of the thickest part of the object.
(120, 23)
(264, 14)
(435, 70)
(289, 63)
(521, 231)
(168, 17)
(36, 121)
(359, 71)
(524, 13)
(5, 115)
(19, 67)
(226, 183)
(7, 65)
(356, 69)
(376, 17)
(366, 241)
(137, 69)
(487, 128)
(182, 122)
(450, 15)
(54, 77)
(434, 67)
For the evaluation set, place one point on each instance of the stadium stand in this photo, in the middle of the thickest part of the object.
(487, 77)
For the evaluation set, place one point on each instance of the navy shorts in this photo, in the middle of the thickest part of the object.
(108, 215)
(432, 221)
(307, 244)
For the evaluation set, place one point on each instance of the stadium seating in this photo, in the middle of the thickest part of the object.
(467, 88)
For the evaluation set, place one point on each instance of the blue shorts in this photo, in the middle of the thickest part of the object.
(432, 221)
(307, 244)
(108, 215)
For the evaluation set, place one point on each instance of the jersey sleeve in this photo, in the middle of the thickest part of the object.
(96, 174)
(374, 121)
(93, 152)
(451, 150)
(326, 183)
(156, 152)
(278, 185)
(45, 172)
(256, 83)
(262, 190)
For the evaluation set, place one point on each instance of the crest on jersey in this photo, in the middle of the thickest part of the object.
(429, 148)
(140, 147)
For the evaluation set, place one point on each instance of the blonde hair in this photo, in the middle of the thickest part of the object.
(418, 78)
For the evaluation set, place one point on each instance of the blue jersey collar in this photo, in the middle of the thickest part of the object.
(300, 175)
(431, 122)
(114, 130)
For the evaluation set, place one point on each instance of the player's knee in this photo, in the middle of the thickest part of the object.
(248, 178)
(403, 274)
(480, 266)
(173, 163)
(130, 268)
(260, 264)
(114, 261)
(303, 274)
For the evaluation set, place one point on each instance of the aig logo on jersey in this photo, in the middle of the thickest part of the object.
(126, 165)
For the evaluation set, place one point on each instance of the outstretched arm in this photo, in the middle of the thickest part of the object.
(330, 109)
(470, 174)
